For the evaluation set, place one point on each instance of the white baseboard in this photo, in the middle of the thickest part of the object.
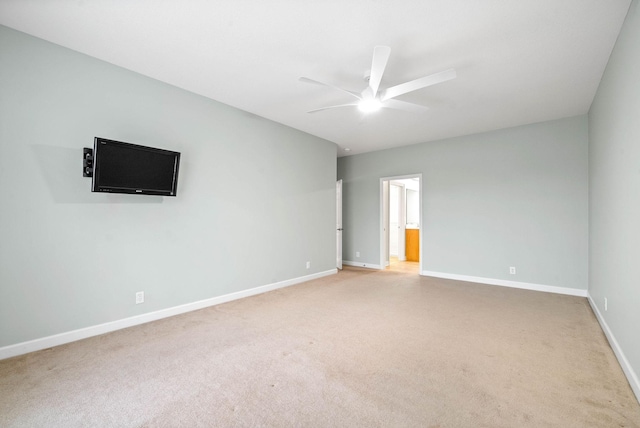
(512, 284)
(360, 264)
(83, 333)
(632, 377)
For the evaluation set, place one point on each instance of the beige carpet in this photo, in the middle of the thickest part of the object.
(361, 348)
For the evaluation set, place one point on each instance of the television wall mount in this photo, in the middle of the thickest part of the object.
(87, 162)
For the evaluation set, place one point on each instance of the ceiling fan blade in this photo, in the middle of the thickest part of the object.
(379, 63)
(403, 105)
(316, 82)
(329, 107)
(414, 85)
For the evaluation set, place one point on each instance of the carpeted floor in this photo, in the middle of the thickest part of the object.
(361, 348)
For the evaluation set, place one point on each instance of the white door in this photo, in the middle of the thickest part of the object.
(384, 261)
(402, 223)
(397, 221)
(394, 219)
(339, 224)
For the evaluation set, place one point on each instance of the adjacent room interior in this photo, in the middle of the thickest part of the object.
(385, 216)
(400, 233)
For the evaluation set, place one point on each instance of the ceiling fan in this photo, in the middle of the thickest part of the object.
(372, 98)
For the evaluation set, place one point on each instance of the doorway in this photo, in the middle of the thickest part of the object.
(401, 228)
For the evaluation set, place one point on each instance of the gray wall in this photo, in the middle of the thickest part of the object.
(514, 197)
(256, 199)
(614, 185)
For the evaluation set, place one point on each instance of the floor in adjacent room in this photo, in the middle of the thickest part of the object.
(396, 265)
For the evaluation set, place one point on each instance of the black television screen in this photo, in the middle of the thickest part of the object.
(129, 168)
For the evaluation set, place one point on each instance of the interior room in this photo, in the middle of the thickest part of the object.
(371, 214)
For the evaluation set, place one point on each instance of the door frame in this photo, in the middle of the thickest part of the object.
(385, 206)
(339, 224)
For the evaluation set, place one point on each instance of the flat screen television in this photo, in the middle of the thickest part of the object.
(129, 168)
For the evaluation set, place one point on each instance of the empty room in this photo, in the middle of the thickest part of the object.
(312, 214)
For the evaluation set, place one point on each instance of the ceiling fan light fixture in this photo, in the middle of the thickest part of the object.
(369, 106)
(372, 98)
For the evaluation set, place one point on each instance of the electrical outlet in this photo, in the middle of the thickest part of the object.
(606, 305)
(512, 270)
(357, 253)
(139, 297)
(308, 265)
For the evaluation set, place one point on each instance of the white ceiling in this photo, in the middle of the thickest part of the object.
(517, 62)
